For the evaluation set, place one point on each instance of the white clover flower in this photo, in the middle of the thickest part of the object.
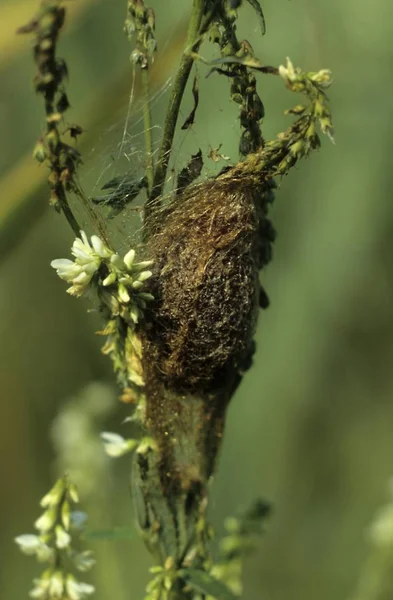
(63, 539)
(115, 445)
(77, 590)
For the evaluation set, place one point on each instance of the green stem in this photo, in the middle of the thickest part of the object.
(67, 212)
(148, 131)
(194, 39)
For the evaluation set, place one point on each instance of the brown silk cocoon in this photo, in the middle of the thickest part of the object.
(208, 247)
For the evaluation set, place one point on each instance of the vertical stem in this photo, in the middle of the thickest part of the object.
(194, 39)
(67, 212)
(148, 131)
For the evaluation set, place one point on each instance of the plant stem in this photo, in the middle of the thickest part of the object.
(67, 212)
(194, 39)
(148, 131)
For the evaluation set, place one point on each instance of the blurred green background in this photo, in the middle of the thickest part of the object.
(311, 426)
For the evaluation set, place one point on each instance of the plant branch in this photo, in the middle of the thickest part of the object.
(61, 158)
(198, 25)
(148, 131)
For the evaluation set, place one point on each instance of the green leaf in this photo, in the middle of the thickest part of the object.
(257, 7)
(202, 582)
(114, 534)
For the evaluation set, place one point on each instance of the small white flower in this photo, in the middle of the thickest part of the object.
(66, 514)
(63, 539)
(323, 78)
(142, 265)
(46, 521)
(288, 72)
(77, 590)
(84, 561)
(85, 239)
(40, 588)
(115, 445)
(129, 258)
(99, 247)
(73, 493)
(124, 296)
(82, 252)
(134, 314)
(28, 543)
(66, 269)
(110, 279)
(45, 553)
(144, 275)
(56, 585)
(117, 262)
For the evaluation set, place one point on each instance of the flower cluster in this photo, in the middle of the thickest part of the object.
(119, 283)
(119, 280)
(312, 85)
(58, 528)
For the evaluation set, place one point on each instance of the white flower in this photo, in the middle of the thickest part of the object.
(41, 587)
(56, 585)
(124, 276)
(66, 269)
(110, 279)
(117, 262)
(144, 275)
(115, 445)
(88, 259)
(77, 590)
(323, 78)
(66, 514)
(84, 561)
(29, 543)
(99, 247)
(63, 539)
(53, 497)
(124, 296)
(288, 73)
(129, 258)
(46, 521)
